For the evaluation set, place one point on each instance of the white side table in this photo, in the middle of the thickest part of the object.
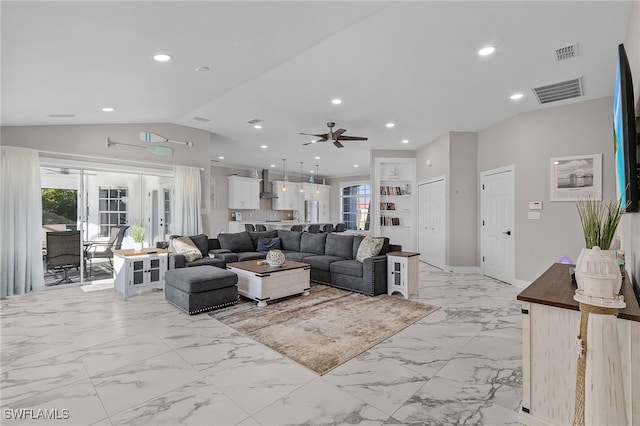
(137, 270)
(402, 272)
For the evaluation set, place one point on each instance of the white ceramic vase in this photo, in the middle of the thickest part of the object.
(137, 246)
(598, 273)
(275, 258)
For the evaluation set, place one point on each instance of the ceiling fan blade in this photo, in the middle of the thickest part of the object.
(338, 144)
(322, 136)
(337, 133)
(352, 138)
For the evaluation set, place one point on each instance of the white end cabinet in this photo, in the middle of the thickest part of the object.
(138, 270)
(402, 273)
(244, 193)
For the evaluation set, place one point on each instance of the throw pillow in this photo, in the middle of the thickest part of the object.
(187, 248)
(266, 244)
(369, 247)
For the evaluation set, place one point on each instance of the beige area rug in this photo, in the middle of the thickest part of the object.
(325, 329)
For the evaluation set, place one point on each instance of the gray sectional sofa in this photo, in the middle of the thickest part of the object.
(332, 257)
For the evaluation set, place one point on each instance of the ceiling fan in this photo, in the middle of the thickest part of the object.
(336, 136)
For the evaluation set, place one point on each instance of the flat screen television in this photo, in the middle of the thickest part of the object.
(624, 135)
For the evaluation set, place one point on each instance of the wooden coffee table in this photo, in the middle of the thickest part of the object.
(264, 283)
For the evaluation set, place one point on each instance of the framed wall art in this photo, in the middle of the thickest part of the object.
(576, 178)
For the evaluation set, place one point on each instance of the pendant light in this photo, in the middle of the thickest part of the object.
(284, 170)
(301, 182)
(317, 179)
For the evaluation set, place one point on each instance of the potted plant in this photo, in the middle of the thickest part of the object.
(137, 233)
(599, 222)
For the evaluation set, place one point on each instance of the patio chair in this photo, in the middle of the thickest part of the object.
(63, 253)
(104, 249)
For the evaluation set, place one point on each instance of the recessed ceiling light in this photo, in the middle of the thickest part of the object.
(405, 140)
(257, 126)
(221, 158)
(336, 101)
(485, 51)
(273, 165)
(108, 109)
(263, 146)
(355, 165)
(317, 158)
(311, 171)
(516, 96)
(162, 57)
(390, 125)
(203, 69)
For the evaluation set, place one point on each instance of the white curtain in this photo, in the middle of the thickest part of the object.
(21, 269)
(187, 201)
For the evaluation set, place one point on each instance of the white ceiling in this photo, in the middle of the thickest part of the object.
(411, 63)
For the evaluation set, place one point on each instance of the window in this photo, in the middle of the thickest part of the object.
(112, 208)
(355, 201)
(60, 207)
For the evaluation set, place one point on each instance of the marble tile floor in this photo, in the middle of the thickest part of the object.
(90, 358)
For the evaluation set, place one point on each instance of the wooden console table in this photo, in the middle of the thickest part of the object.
(550, 324)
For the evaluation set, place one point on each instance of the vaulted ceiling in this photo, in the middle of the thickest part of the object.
(414, 64)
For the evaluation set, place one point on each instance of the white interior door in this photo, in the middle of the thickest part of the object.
(432, 214)
(497, 224)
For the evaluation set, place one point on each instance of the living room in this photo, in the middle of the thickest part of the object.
(524, 138)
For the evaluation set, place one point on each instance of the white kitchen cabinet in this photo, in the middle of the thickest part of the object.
(325, 203)
(289, 199)
(244, 193)
(138, 270)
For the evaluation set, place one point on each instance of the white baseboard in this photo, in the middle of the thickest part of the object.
(521, 283)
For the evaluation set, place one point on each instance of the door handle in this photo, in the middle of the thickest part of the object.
(507, 232)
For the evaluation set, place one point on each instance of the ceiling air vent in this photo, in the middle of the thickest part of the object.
(566, 52)
(204, 120)
(559, 91)
(255, 121)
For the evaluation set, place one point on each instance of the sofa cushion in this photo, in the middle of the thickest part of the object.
(236, 242)
(297, 256)
(210, 261)
(290, 240)
(250, 255)
(350, 267)
(321, 262)
(357, 239)
(339, 245)
(202, 242)
(369, 247)
(266, 244)
(255, 237)
(186, 247)
(313, 243)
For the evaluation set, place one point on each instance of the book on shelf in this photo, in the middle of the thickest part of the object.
(390, 190)
(389, 221)
(387, 206)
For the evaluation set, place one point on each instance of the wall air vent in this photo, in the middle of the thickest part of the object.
(566, 52)
(559, 91)
(204, 120)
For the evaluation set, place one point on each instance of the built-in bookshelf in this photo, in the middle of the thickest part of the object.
(394, 207)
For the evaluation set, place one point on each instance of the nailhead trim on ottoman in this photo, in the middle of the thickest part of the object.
(201, 288)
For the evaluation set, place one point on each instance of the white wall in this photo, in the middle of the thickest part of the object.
(528, 141)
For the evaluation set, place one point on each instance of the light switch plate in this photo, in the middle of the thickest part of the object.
(533, 215)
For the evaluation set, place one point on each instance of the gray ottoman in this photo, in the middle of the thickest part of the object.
(200, 288)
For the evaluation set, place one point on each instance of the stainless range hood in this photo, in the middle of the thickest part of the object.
(265, 186)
